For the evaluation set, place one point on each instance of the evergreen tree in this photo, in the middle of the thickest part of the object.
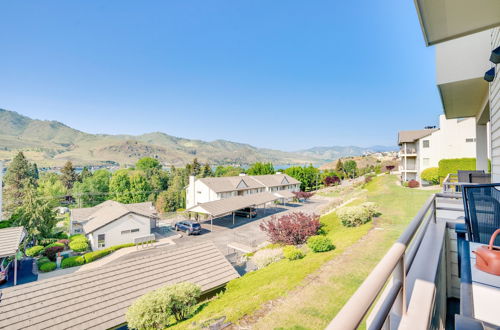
(34, 171)
(194, 168)
(339, 167)
(68, 175)
(206, 171)
(85, 173)
(19, 174)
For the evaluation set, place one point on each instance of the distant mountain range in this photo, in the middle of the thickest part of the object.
(51, 143)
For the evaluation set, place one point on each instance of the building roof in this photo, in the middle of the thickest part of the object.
(231, 183)
(10, 238)
(99, 298)
(109, 211)
(242, 182)
(228, 205)
(275, 180)
(412, 136)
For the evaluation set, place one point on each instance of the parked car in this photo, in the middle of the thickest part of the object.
(189, 227)
(248, 212)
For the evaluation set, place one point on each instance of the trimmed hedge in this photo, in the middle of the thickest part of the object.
(430, 175)
(91, 256)
(34, 251)
(76, 237)
(447, 166)
(79, 246)
(47, 267)
(292, 253)
(42, 261)
(72, 262)
(320, 243)
(54, 244)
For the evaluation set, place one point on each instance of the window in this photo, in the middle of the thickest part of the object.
(426, 162)
(125, 232)
(135, 230)
(101, 238)
(425, 143)
(468, 140)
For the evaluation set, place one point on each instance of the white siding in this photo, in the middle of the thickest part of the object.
(495, 114)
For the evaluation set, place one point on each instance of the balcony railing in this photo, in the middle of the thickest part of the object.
(407, 151)
(411, 288)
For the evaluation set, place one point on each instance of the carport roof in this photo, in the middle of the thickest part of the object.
(10, 238)
(284, 194)
(99, 298)
(224, 206)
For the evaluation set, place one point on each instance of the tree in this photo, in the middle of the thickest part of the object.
(307, 175)
(194, 168)
(174, 197)
(147, 163)
(155, 309)
(68, 175)
(19, 174)
(391, 167)
(261, 169)
(34, 171)
(350, 167)
(228, 171)
(119, 186)
(35, 215)
(93, 189)
(140, 189)
(206, 171)
(339, 166)
(51, 188)
(85, 173)
(331, 180)
(293, 228)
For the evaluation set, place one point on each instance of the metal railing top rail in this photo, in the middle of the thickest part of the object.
(396, 262)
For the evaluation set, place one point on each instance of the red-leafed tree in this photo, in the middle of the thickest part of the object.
(303, 195)
(331, 180)
(291, 229)
(390, 168)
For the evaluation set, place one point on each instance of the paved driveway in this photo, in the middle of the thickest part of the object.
(245, 231)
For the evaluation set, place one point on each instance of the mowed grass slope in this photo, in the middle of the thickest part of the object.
(311, 291)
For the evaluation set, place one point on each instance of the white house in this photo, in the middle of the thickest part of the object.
(421, 149)
(204, 190)
(113, 223)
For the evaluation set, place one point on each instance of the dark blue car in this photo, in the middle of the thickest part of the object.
(189, 227)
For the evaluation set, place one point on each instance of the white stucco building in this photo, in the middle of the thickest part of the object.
(113, 223)
(421, 149)
(204, 190)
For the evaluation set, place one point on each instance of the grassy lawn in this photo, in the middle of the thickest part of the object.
(310, 303)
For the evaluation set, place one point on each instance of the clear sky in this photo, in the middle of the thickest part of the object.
(283, 74)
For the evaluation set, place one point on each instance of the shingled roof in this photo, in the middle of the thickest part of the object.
(412, 136)
(242, 182)
(275, 180)
(99, 298)
(108, 211)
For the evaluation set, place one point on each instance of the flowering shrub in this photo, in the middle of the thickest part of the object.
(47, 267)
(265, 257)
(320, 243)
(291, 229)
(155, 309)
(353, 216)
(51, 252)
(292, 252)
(34, 251)
(371, 207)
(303, 194)
(413, 184)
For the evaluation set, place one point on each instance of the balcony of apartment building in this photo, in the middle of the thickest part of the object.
(408, 150)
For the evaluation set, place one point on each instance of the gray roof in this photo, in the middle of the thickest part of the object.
(275, 180)
(10, 238)
(227, 205)
(412, 136)
(108, 211)
(99, 298)
(284, 194)
(231, 183)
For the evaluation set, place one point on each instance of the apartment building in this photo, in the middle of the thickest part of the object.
(204, 190)
(421, 149)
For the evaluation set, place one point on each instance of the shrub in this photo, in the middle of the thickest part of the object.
(91, 256)
(47, 241)
(353, 216)
(47, 267)
(265, 257)
(291, 229)
(413, 184)
(64, 241)
(55, 244)
(76, 237)
(447, 166)
(5, 224)
(42, 260)
(292, 253)
(371, 207)
(320, 243)
(51, 252)
(303, 194)
(430, 175)
(78, 246)
(331, 180)
(72, 262)
(121, 246)
(34, 251)
(61, 235)
(155, 309)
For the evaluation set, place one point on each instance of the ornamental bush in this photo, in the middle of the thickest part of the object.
(292, 252)
(320, 243)
(155, 309)
(291, 229)
(353, 216)
(371, 207)
(42, 260)
(51, 252)
(47, 241)
(447, 166)
(55, 244)
(47, 267)
(64, 241)
(76, 237)
(91, 256)
(72, 262)
(34, 251)
(430, 175)
(413, 184)
(78, 246)
(265, 257)
(304, 195)
(5, 224)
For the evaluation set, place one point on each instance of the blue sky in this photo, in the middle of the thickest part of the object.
(281, 74)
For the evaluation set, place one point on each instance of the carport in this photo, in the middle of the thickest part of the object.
(223, 207)
(284, 195)
(10, 239)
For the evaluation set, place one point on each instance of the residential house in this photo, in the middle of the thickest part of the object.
(421, 149)
(205, 190)
(112, 223)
